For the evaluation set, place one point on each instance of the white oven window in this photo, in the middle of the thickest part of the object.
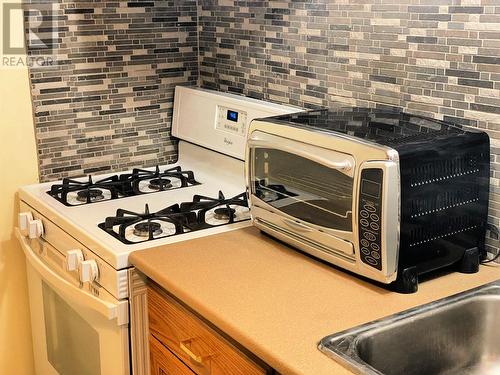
(303, 188)
(72, 343)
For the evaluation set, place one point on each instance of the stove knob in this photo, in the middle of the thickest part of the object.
(73, 259)
(88, 271)
(24, 222)
(35, 229)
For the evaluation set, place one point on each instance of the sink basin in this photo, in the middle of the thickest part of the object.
(455, 335)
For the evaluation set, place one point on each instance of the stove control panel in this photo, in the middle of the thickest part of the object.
(73, 257)
(231, 120)
(33, 228)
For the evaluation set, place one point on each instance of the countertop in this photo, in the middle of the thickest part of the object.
(277, 302)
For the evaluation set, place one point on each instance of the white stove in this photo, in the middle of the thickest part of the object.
(77, 234)
(214, 171)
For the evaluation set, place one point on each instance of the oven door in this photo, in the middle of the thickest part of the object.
(75, 331)
(303, 189)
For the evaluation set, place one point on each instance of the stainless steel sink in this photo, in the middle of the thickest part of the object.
(456, 335)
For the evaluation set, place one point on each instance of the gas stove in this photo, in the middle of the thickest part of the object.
(104, 219)
(114, 214)
(77, 233)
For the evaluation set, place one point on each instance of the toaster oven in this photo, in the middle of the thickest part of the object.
(385, 194)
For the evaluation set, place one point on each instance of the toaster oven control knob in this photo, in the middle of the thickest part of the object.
(24, 222)
(88, 271)
(35, 229)
(73, 259)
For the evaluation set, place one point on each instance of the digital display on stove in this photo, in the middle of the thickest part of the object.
(370, 188)
(232, 115)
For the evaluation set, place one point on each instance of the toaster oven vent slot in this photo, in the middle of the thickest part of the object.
(446, 228)
(418, 137)
(442, 170)
(443, 201)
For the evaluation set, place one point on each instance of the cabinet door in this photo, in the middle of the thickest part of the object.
(163, 362)
(193, 341)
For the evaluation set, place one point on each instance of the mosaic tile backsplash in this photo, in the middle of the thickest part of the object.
(107, 106)
(107, 103)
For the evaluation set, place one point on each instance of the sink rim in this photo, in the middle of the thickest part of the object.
(342, 346)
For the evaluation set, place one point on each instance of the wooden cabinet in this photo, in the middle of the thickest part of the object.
(202, 349)
(163, 362)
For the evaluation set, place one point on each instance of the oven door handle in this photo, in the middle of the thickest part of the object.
(71, 292)
(296, 225)
(293, 147)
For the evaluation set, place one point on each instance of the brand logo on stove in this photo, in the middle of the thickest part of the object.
(228, 141)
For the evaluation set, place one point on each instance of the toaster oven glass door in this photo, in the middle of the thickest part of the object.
(303, 188)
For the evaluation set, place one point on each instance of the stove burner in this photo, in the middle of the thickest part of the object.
(145, 181)
(223, 213)
(92, 194)
(126, 226)
(160, 183)
(213, 212)
(145, 228)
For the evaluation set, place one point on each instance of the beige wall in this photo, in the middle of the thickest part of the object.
(18, 166)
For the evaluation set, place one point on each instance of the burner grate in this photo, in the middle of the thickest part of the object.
(201, 213)
(134, 227)
(218, 211)
(145, 181)
(73, 192)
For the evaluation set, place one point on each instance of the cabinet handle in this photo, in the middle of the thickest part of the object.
(196, 358)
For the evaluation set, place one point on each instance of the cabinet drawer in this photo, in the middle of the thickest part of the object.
(205, 351)
(163, 362)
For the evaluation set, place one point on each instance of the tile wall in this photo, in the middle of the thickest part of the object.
(106, 104)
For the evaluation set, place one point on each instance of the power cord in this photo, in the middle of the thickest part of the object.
(496, 234)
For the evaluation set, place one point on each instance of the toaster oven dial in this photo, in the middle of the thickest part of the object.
(370, 204)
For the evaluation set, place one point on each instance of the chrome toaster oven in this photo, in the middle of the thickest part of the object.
(384, 194)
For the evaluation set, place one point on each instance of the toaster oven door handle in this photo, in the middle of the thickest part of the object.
(296, 225)
(296, 148)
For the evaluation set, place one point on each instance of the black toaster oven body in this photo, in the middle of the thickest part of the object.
(444, 177)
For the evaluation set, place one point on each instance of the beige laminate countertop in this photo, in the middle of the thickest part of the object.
(277, 302)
